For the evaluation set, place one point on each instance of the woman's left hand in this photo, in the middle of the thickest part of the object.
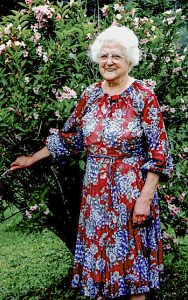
(142, 208)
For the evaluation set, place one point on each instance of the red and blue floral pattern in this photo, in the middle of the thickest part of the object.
(124, 137)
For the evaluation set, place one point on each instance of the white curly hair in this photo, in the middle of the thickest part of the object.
(117, 34)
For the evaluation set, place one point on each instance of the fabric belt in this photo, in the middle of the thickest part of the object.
(112, 160)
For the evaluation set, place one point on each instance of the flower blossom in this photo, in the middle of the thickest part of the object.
(28, 214)
(29, 2)
(143, 20)
(36, 90)
(119, 16)
(34, 207)
(166, 235)
(39, 51)
(174, 210)
(35, 116)
(176, 70)
(42, 13)
(71, 2)
(45, 57)
(167, 59)
(35, 37)
(144, 41)
(7, 28)
(22, 44)
(118, 7)
(105, 10)
(46, 212)
(2, 48)
(150, 82)
(58, 17)
(25, 54)
(26, 79)
(67, 94)
(57, 114)
(170, 20)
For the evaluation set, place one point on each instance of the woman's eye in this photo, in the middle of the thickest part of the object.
(116, 56)
(104, 56)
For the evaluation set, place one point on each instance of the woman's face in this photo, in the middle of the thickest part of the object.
(113, 65)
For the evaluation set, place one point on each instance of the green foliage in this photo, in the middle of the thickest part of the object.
(32, 265)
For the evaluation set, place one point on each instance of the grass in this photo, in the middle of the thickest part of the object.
(32, 266)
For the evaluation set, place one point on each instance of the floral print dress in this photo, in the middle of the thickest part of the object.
(124, 137)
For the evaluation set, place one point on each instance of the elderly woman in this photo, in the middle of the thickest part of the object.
(119, 123)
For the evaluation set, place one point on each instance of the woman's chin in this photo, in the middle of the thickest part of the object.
(110, 77)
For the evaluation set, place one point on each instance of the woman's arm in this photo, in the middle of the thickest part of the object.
(142, 204)
(27, 161)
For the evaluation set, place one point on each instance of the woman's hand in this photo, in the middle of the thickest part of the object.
(143, 203)
(142, 208)
(22, 162)
(27, 161)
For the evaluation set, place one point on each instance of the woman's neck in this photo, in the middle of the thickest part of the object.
(116, 87)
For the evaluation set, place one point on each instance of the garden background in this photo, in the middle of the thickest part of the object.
(44, 68)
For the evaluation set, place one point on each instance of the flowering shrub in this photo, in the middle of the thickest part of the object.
(44, 68)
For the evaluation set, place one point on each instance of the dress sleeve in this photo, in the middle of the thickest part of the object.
(62, 143)
(159, 159)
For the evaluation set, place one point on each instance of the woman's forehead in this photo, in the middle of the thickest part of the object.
(108, 46)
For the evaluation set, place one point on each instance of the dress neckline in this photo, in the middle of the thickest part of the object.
(116, 96)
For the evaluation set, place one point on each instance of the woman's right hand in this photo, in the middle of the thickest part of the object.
(22, 162)
(27, 161)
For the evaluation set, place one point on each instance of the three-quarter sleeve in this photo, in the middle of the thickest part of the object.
(159, 159)
(62, 143)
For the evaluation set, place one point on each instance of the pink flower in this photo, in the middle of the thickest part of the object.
(7, 28)
(143, 20)
(167, 59)
(71, 2)
(172, 110)
(118, 7)
(46, 212)
(119, 16)
(34, 207)
(2, 48)
(105, 10)
(154, 57)
(58, 17)
(39, 51)
(29, 2)
(26, 79)
(45, 57)
(36, 37)
(11, 109)
(174, 210)
(42, 13)
(165, 108)
(166, 235)
(28, 214)
(9, 43)
(57, 114)
(150, 82)
(180, 58)
(25, 54)
(67, 94)
(35, 116)
(170, 20)
(36, 90)
(17, 43)
(176, 70)
(144, 41)
(23, 11)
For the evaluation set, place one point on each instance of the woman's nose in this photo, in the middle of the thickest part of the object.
(109, 61)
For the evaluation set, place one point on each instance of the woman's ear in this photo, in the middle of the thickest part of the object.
(130, 66)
